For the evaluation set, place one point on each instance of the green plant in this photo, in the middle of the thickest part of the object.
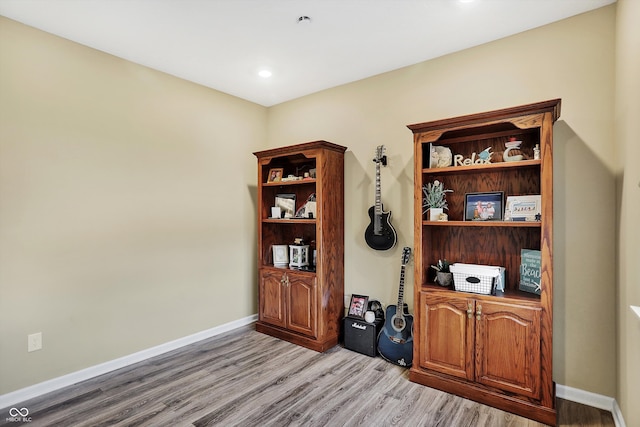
(434, 196)
(442, 266)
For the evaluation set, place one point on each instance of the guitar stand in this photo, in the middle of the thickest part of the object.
(383, 160)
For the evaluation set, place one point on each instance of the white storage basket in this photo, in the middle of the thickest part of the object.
(477, 279)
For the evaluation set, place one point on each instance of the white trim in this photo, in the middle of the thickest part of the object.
(564, 392)
(54, 384)
(635, 309)
(585, 397)
(591, 399)
(617, 415)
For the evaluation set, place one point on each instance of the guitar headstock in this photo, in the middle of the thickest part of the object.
(406, 254)
(380, 156)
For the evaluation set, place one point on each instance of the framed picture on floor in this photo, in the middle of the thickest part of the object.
(358, 306)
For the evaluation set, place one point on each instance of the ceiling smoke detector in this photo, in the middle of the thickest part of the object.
(304, 20)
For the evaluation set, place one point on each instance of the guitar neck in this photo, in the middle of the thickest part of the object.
(401, 291)
(377, 224)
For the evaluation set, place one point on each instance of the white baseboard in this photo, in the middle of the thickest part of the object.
(564, 392)
(617, 415)
(54, 384)
(591, 399)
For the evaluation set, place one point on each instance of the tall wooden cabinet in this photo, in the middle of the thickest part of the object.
(304, 306)
(494, 349)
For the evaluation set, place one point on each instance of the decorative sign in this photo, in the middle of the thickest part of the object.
(530, 271)
(287, 204)
(482, 158)
(523, 208)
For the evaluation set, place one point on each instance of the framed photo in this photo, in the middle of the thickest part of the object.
(358, 306)
(523, 208)
(287, 204)
(275, 175)
(484, 206)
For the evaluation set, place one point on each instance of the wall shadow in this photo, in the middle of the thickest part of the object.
(584, 265)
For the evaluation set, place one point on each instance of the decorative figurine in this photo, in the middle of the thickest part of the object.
(512, 145)
(440, 157)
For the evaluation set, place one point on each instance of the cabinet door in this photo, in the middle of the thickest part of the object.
(508, 347)
(301, 305)
(447, 340)
(272, 297)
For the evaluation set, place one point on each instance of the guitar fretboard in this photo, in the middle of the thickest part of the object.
(400, 309)
(406, 253)
(377, 220)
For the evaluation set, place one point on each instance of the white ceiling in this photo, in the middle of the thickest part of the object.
(222, 44)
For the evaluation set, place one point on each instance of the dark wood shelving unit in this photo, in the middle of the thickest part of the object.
(495, 349)
(304, 307)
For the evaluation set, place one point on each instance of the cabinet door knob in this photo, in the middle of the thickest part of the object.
(479, 312)
(285, 280)
(470, 310)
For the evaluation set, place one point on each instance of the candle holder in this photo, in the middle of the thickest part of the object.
(298, 256)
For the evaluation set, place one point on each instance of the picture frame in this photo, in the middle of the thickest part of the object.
(523, 208)
(439, 156)
(308, 209)
(287, 204)
(275, 175)
(280, 255)
(358, 306)
(487, 206)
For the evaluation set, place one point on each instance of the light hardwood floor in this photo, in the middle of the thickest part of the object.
(244, 378)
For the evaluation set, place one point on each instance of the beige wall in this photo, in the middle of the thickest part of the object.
(627, 127)
(124, 224)
(127, 211)
(572, 60)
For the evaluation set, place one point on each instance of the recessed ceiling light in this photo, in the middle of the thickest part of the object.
(265, 73)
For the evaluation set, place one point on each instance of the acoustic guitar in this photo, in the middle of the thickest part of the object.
(395, 341)
(380, 234)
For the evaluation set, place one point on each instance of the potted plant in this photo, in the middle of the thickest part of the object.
(444, 277)
(434, 200)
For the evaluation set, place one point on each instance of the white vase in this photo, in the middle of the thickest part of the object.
(434, 213)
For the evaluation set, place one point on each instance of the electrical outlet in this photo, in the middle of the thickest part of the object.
(34, 342)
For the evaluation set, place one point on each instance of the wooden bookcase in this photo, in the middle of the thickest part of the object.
(304, 307)
(494, 349)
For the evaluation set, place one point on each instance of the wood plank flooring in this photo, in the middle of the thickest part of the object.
(245, 378)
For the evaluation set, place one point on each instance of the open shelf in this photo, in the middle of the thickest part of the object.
(480, 168)
(287, 183)
(290, 221)
(532, 224)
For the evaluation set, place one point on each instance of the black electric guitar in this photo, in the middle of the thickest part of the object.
(380, 234)
(395, 342)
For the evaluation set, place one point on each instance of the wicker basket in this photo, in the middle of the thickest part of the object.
(475, 279)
